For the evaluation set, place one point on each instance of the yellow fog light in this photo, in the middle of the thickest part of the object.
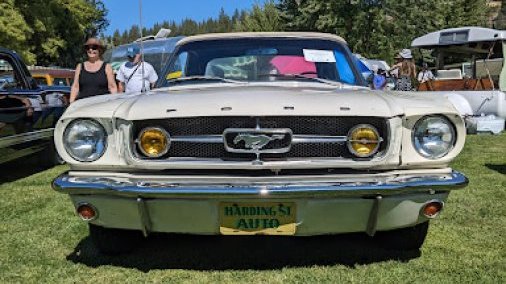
(363, 140)
(154, 142)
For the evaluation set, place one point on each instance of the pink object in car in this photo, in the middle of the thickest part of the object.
(288, 64)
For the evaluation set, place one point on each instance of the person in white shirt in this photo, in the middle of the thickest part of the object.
(425, 74)
(135, 75)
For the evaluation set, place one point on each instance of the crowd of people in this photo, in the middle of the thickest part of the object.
(94, 77)
(403, 72)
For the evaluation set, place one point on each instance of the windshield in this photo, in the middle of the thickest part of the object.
(261, 59)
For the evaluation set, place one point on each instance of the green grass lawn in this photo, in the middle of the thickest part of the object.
(41, 240)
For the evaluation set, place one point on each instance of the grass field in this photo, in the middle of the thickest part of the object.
(42, 241)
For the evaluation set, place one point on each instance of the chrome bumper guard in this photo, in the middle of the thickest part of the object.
(140, 187)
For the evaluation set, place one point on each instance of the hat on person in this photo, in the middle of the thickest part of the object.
(132, 51)
(94, 41)
(406, 54)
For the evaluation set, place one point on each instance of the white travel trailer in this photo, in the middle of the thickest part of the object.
(469, 62)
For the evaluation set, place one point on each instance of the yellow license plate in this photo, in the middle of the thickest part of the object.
(250, 218)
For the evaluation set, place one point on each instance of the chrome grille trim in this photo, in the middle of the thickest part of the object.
(199, 139)
(300, 139)
(297, 139)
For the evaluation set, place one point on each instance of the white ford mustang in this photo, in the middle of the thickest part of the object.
(260, 133)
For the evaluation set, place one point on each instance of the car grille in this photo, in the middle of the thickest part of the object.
(302, 126)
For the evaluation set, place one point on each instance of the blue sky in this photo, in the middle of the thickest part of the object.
(125, 13)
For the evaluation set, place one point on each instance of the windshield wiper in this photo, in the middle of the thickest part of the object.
(303, 77)
(201, 78)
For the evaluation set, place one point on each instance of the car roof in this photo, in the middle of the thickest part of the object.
(163, 45)
(53, 72)
(5, 50)
(216, 36)
(467, 34)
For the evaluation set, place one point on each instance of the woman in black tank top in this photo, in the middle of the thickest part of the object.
(92, 83)
(93, 77)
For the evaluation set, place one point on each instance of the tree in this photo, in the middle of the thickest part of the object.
(116, 38)
(134, 33)
(500, 21)
(224, 22)
(380, 28)
(261, 19)
(189, 27)
(14, 31)
(50, 32)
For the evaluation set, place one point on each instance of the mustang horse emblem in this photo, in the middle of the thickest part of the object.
(256, 142)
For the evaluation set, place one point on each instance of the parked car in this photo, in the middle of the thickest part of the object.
(260, 134)
(28, 112)
(53, 76)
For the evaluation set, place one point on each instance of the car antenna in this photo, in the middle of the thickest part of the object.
(143, 89)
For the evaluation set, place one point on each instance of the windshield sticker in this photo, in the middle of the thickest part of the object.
(315, 55)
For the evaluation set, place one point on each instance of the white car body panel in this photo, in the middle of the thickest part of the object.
(243, 99)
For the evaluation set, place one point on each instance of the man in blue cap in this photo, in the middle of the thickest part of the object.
(135, 75)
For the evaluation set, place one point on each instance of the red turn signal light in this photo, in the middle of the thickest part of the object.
(432, 208)
(87, 212)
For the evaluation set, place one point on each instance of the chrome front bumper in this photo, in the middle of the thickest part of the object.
(326, 204)
(258, 187)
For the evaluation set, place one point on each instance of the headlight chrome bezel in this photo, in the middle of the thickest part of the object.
(162, 153)
(69, 150)
(420, 150)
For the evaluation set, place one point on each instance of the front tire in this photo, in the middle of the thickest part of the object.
(410, 238)
(114, 241)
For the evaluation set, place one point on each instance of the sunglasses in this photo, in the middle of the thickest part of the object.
(92, 47)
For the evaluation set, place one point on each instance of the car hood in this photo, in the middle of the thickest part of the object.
(259, 99)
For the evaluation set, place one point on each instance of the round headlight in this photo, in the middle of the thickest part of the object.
(153, 142)
(85, 140)
(433, 136)
(363, 140)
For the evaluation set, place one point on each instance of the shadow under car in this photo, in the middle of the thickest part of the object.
(170, 251)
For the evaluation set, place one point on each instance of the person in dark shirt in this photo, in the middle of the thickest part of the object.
(93, 77)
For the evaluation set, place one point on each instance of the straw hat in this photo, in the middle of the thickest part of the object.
(94, 41)
(405, 54)
(97, 42)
